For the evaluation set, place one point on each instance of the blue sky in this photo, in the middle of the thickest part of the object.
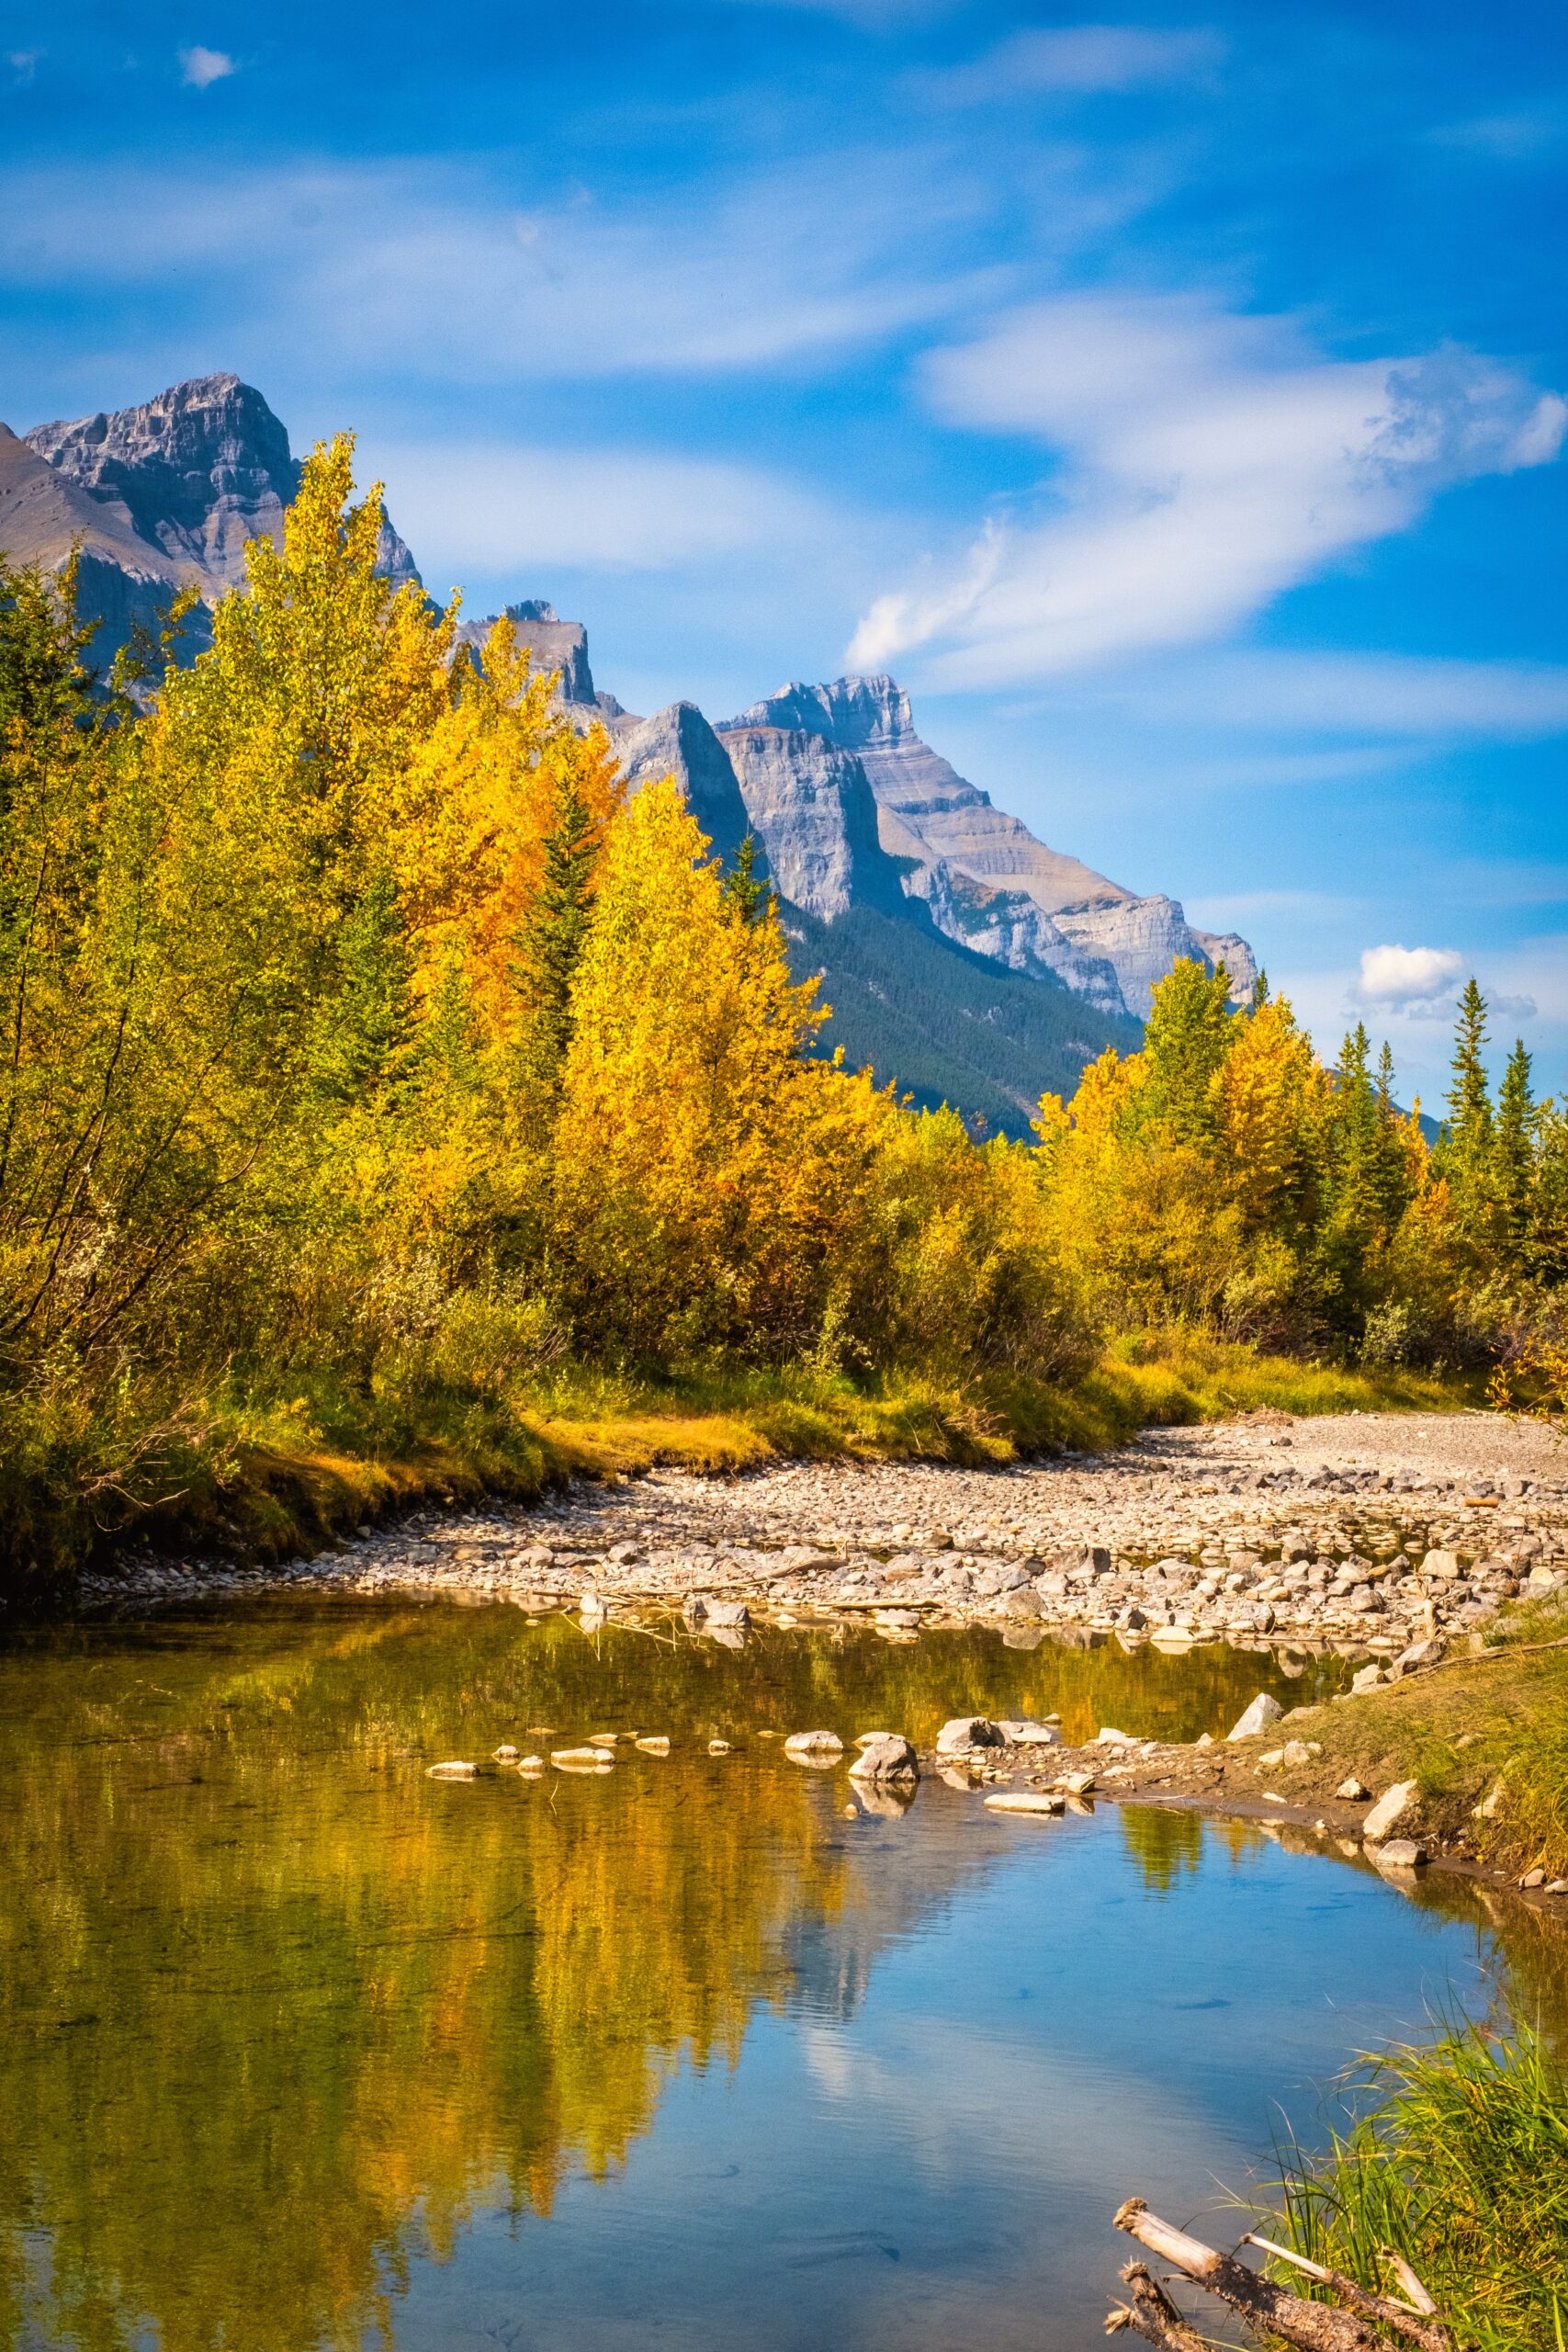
(1171, 400)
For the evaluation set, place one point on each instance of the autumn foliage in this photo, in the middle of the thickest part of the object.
(367, 1053)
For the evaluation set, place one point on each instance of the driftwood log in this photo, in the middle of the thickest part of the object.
(1358, 2321)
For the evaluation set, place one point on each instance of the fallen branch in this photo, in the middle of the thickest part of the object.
(1358, 2321)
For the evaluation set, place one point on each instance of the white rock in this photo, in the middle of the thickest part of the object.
(1263, 1711)
(1026, 1733)
(452, 1771)
(1035, 1801)
(807, 1745)
(1352, 1791)
(963, 1734)
(891, 1758)
(1387, 1810)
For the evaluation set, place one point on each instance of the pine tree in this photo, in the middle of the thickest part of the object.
(550, 937)
(1467, 1140)
(1513, 1158)
(363, 1026)
(1190, 1034)
(746, 894)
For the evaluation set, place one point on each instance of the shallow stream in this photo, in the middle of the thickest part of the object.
(304, 2048)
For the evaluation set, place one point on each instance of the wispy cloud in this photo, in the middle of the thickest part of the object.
(1078, 60)
(199, 68)
(504, 508)
(435, 271)
(23, 63)
(1507, 137)
(1206, 462)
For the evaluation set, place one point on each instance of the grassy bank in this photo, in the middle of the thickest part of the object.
(1459, 2163)
(1485, 1740)
(261, 1475)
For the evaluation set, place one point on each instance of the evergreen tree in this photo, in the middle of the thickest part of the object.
(1513, 1158)
(550, 937)
(746, 894)
(364, 1025)
(1467, 1141)
(1189, 1032)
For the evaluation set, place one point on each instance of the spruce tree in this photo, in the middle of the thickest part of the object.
(746, 894)
(551, 935)
(1189, 1035)
(1513, 1158)
(1466, 1153)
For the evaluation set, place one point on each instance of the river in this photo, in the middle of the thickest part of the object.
(305, 2049)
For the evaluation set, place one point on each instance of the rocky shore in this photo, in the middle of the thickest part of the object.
(1390, 1535)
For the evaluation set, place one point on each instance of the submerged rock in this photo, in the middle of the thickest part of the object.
(452, 1771)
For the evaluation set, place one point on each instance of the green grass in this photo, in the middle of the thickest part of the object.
(1460, 2164)
(1477, 1726)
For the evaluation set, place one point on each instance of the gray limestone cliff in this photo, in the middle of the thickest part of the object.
(990, 883)
(174, 490)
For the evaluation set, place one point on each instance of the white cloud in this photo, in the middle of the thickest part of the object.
(201, 67)
(1206, 463)
(436, 271)
(1080, 61)
(1407, 978)
(504, 508)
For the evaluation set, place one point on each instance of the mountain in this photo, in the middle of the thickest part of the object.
(168, 494)
(962, 957)
(989, 883)
(122, 580)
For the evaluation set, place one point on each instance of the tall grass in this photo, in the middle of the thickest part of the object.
(1460, 2165)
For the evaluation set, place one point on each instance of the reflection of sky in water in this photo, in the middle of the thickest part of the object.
(302, 2048)
(941, 2165)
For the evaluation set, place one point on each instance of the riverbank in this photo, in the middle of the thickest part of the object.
(257, 1481)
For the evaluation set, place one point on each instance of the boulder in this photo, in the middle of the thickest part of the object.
(1353, 1791)
(964, 1734)
(1399, 1854)
(1258, 1718)
(1387, 1810)
(654, 1745)
(888, 1758)
(701, 1609)
(1026, 1733)
(1367, 1678)
(1036, 1801)
(811, 1747)
(1422, 1653)
(1443, 1565)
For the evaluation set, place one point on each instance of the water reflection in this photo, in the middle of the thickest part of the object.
(286, 2022)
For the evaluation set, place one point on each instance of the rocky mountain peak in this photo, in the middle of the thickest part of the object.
(858, 714)
(197, 472)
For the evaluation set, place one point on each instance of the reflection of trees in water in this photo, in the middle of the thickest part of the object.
(1163, 1844)
(280, 2010)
